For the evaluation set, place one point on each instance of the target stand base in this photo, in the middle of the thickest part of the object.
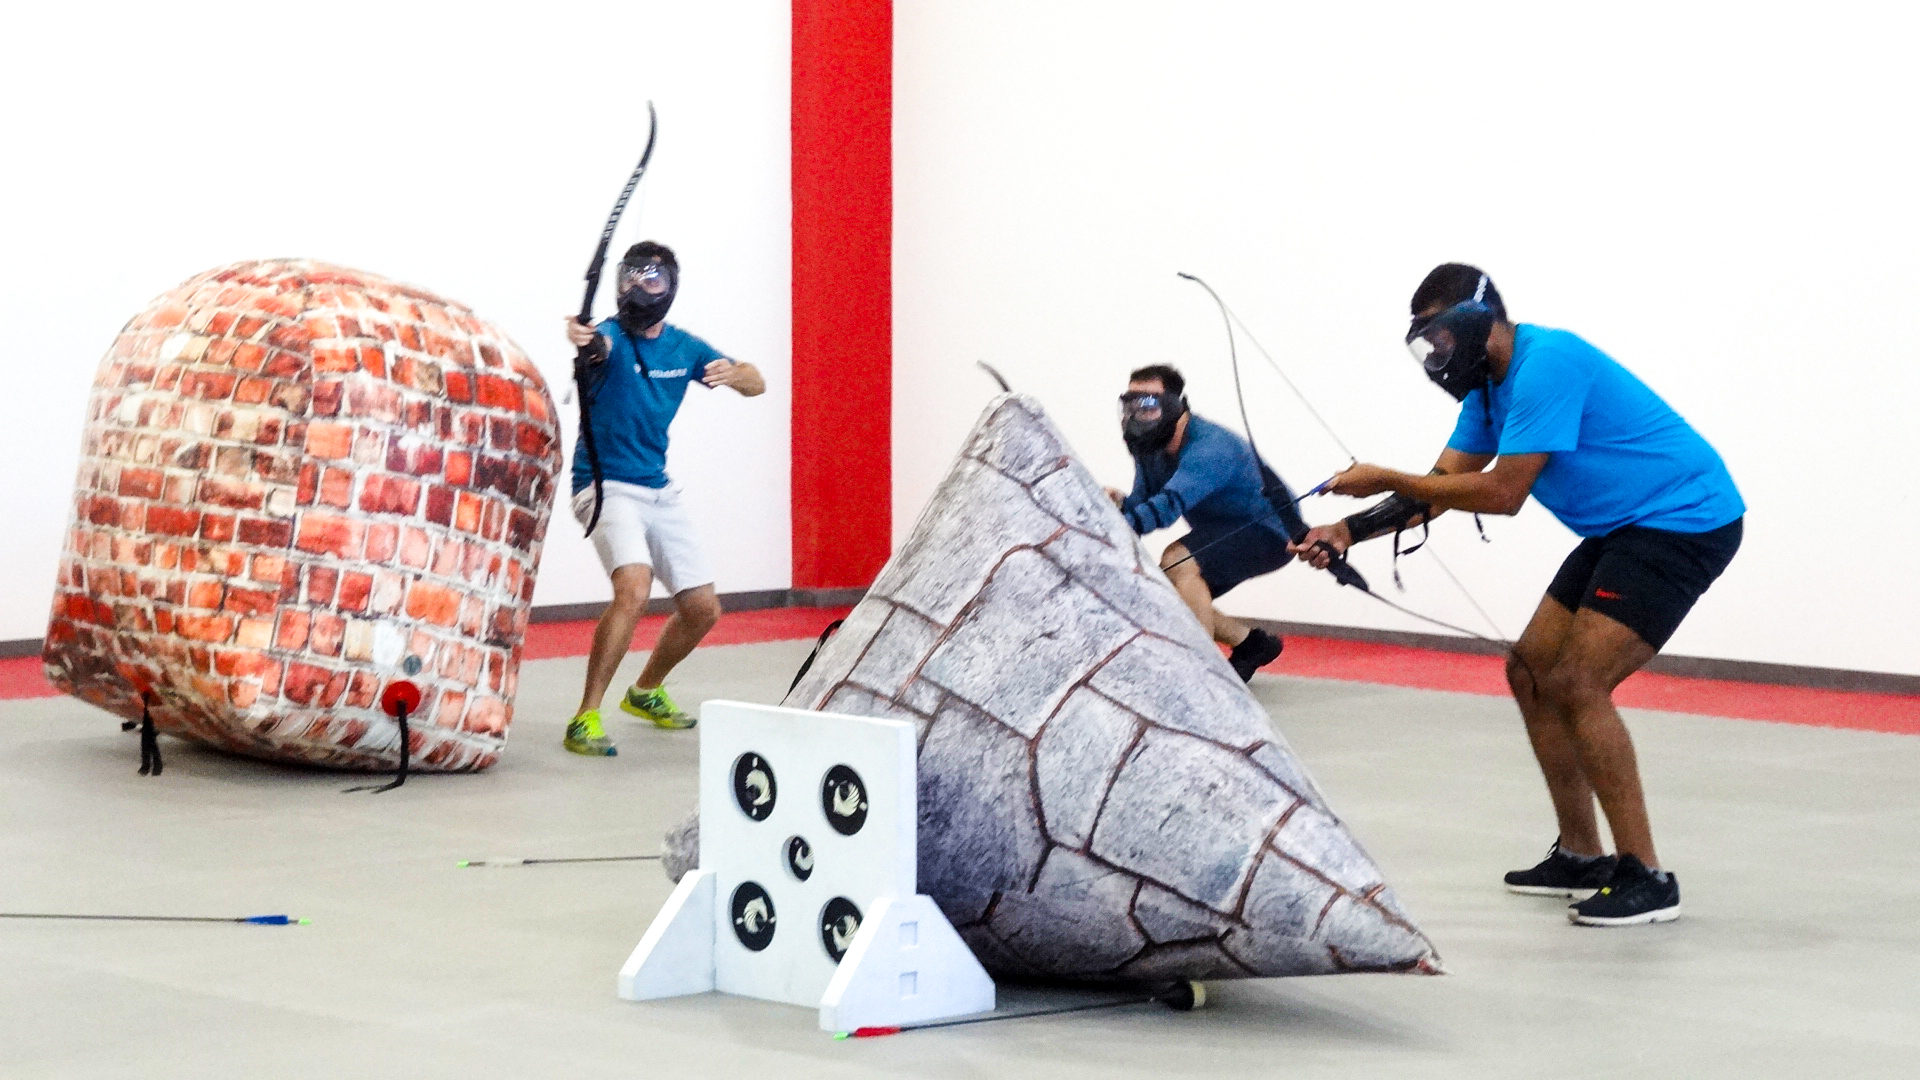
(906, 965)
(675, 958)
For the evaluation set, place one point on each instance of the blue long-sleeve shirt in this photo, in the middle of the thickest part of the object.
(1215, 482)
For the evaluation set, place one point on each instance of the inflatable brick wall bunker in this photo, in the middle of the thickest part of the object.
(296, 481)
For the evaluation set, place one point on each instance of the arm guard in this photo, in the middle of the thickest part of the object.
(1391, 514)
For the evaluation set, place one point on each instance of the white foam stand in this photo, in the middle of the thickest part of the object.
(905, 964)
(675, 958)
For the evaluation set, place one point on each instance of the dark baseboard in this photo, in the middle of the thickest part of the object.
(823, 597)
(1693, 667)
(761, 600)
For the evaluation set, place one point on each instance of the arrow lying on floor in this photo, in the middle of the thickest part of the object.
(499, 860)
(257, 920)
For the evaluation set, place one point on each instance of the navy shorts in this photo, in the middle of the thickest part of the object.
(1226, 558)
(1647, 579)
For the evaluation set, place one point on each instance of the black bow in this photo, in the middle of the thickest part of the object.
(584, 357)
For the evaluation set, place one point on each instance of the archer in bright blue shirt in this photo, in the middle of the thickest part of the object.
(1546, 414)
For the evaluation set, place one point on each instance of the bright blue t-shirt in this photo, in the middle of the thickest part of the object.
(638, 389)
(1619, 455)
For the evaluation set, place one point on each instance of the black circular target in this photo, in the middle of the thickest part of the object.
(753, 786)
(799, 857)
(839, 921)
(752, 911)
(843, 795)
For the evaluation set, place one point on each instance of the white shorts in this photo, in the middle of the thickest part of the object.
(647, 526)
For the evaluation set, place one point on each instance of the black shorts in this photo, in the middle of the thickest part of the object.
(1226, 558)
(1645, 578)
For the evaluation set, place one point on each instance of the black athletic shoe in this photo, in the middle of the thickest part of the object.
(1560, 874)
(1633, 896)
(1255, 651)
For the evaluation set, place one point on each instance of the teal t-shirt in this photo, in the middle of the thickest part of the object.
(1619, 455)
(636, 392)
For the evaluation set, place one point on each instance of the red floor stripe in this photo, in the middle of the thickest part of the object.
(24, 677)
(1398, 665)
(547, 641)
(1309, 657)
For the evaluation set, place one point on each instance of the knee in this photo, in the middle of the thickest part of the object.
(630, 595)
(1523, 677)
(699, 609)
(1571, 686)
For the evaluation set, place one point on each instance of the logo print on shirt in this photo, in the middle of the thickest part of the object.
(671, 373)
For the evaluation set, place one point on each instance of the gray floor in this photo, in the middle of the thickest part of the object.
(1798, 851)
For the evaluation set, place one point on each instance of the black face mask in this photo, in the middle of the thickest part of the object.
(1147, 421)
(1452, 345)
(646, 291)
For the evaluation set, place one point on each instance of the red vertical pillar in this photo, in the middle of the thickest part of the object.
(842, 148)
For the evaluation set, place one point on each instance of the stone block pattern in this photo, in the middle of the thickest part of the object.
(1100, 797)
(293, 477)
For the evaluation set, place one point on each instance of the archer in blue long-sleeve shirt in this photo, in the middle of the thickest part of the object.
(1240, 513)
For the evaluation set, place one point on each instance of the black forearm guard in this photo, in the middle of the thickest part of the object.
(1391, 514)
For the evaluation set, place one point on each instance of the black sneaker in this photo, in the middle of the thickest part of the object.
(1255, 651)
(1560, 874)
(1633, 896)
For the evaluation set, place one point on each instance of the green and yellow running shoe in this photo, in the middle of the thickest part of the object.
(656, 706)
(585, 736)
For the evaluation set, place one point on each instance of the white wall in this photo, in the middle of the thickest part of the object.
(471, 150)
(1722, 198)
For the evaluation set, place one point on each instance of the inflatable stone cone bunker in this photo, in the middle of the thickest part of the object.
(1100, 798)
(299, 483)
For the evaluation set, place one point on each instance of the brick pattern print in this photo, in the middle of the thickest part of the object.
(294, 477)
(1100, 796)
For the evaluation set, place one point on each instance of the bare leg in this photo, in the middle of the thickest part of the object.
(1551, 730)
(1193, 589)
(614, 636)
(1599, 653)
(695, 611)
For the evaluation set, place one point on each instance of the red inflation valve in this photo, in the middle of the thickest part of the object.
(400, 694)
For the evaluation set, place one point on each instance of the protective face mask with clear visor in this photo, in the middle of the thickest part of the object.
(1452, 345)
(645, 292)
(651, 277)
(1147, 421)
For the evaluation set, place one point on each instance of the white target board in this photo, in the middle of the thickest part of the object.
(806, 888)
